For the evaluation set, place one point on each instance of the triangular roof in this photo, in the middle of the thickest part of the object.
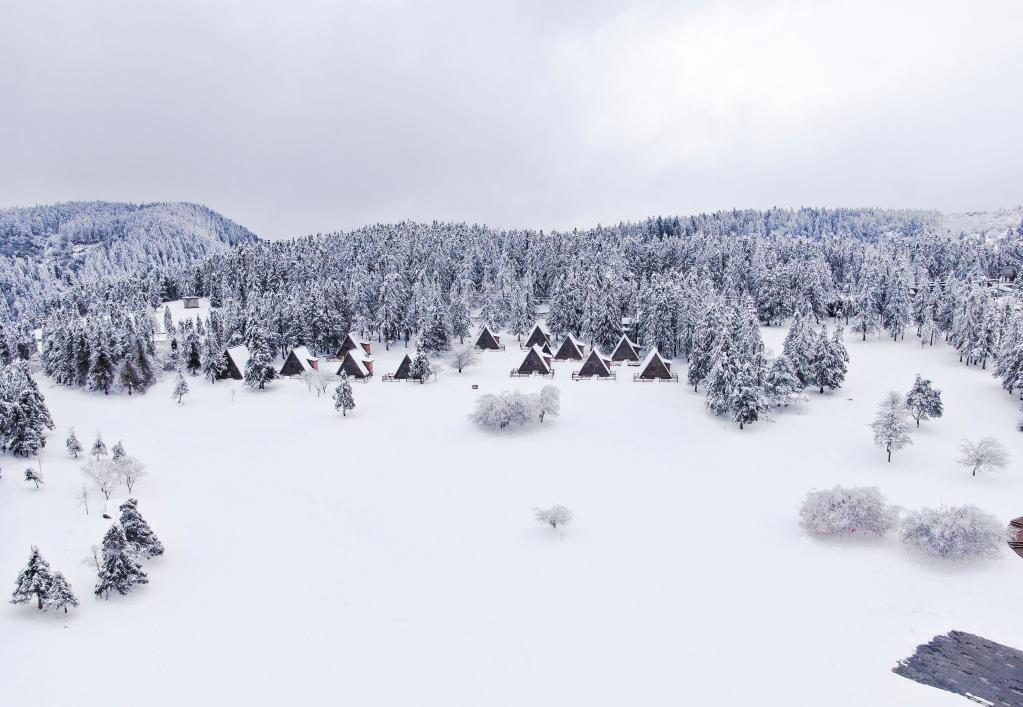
(536, 360)
(404, 368)
(239, 356)
(353, 341)
(537, 335)
(571, 349)
(302, 361)
(354, 362)
(625, 350)
(487, 339)
(596, 365)
(654, 366)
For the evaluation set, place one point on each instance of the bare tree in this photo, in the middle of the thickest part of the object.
(83, 498)
(34, 476)
(986, 455)
(549, 402)
(129, 470)
(463, 358)
(93, 558)
(102, 474)
(555, 516)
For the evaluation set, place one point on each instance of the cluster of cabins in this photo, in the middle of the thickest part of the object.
(355, 358)
(540, 357)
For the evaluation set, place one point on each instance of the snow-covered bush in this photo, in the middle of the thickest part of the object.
(843, 511)
(554, 516)
(499, 411)
(955, 533)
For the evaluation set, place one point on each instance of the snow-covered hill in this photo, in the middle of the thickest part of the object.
(391, 558)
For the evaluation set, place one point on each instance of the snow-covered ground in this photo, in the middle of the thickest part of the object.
(390, 557)
(178, 312)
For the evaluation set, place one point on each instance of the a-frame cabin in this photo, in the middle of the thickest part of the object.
(537, 337)
(357, 365)
(536, 361)
(488, 340)
(404, 372)
(654, 367)
(596, 365)
(299, 361)
(626, 350)
(353, 341)
(235, 359)
(571, 349)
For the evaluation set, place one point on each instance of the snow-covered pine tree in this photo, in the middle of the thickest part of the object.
(722, 381)
(706, 339)
(211, 359)
(119, 569)
(343, 398)
(101, 363)
(137, 532)
(180, 389)
(128, 376)
(33, 476)
(192, 350)
(259, 369)
(60, 596)
(924, 400)
(168, 322)
(435, 336)
(781, 384)
(891, 432)
(421, 369)
(519, 322)
(799, 344)
(458, 315)
(74, 447)
(24, 417)
(34, 581)
(99, 447)
(173, 360)
(826, 363)
(117, 453)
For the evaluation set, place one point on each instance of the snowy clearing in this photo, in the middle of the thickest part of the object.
(392, 557)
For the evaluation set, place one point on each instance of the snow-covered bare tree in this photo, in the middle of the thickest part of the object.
(102, 475)
(129, 470)
(986, 455)
(463, 358)
(845, 511)
(34, 476)
(74, 447)
(556, 516)
(891, 431)
(180, 389)
(956, 533)
(548, 402)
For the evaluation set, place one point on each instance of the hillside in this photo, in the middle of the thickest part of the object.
(107, 238)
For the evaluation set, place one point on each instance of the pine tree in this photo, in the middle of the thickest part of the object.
(99, 448)
(117, 453)
(137, 532)
(212, 359)
(180, 389)
(192, 351)
(60, 596)
(722, 381)
(343, 398)
(33, 476)
(173, 360)
(458, 315)
(119, 570)
(435, 335)
(259, 369)
(101, 363)
(924, 400)
(781, 384)
(74, 447)
(34, 581)
(798, 346)
(826, 362)
(748, 401)
(128, 376)
(421, 369)
(891, 432)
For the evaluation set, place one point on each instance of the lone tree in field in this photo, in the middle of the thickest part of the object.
(102, 474)
(924, 400)
(74, 447)
(99, 447)
(343, 398)
(463, 358)
(34, 476)
(891, 431)
(180, 389)
(117, 453)
(986, 455)
(34, 581)
(128, 471)
(555, 516)
(119, 570)
(137, 532)
(549, 402)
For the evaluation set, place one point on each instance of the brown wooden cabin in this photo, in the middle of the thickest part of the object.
(537, 337)
(571, 349)
(595, 366)
(536, 361)
(190, 301)
(357, 365)
(235, 359)
(488, 340)
(352, 341)
(1016, 535)
(655, 368)
(300, 361)
(404, 372)
(626, 350)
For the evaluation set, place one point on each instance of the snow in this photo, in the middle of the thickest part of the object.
(179, 313)
(240, 355)
(391, 557)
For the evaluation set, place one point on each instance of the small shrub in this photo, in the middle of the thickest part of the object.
(844, 511)
(955, 533)
(555, 516)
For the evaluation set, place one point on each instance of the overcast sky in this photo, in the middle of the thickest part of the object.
(296, 117)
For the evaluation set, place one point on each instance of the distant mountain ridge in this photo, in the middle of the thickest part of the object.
(106, 237)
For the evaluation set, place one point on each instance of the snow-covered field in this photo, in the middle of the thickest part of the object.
(390, 557)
